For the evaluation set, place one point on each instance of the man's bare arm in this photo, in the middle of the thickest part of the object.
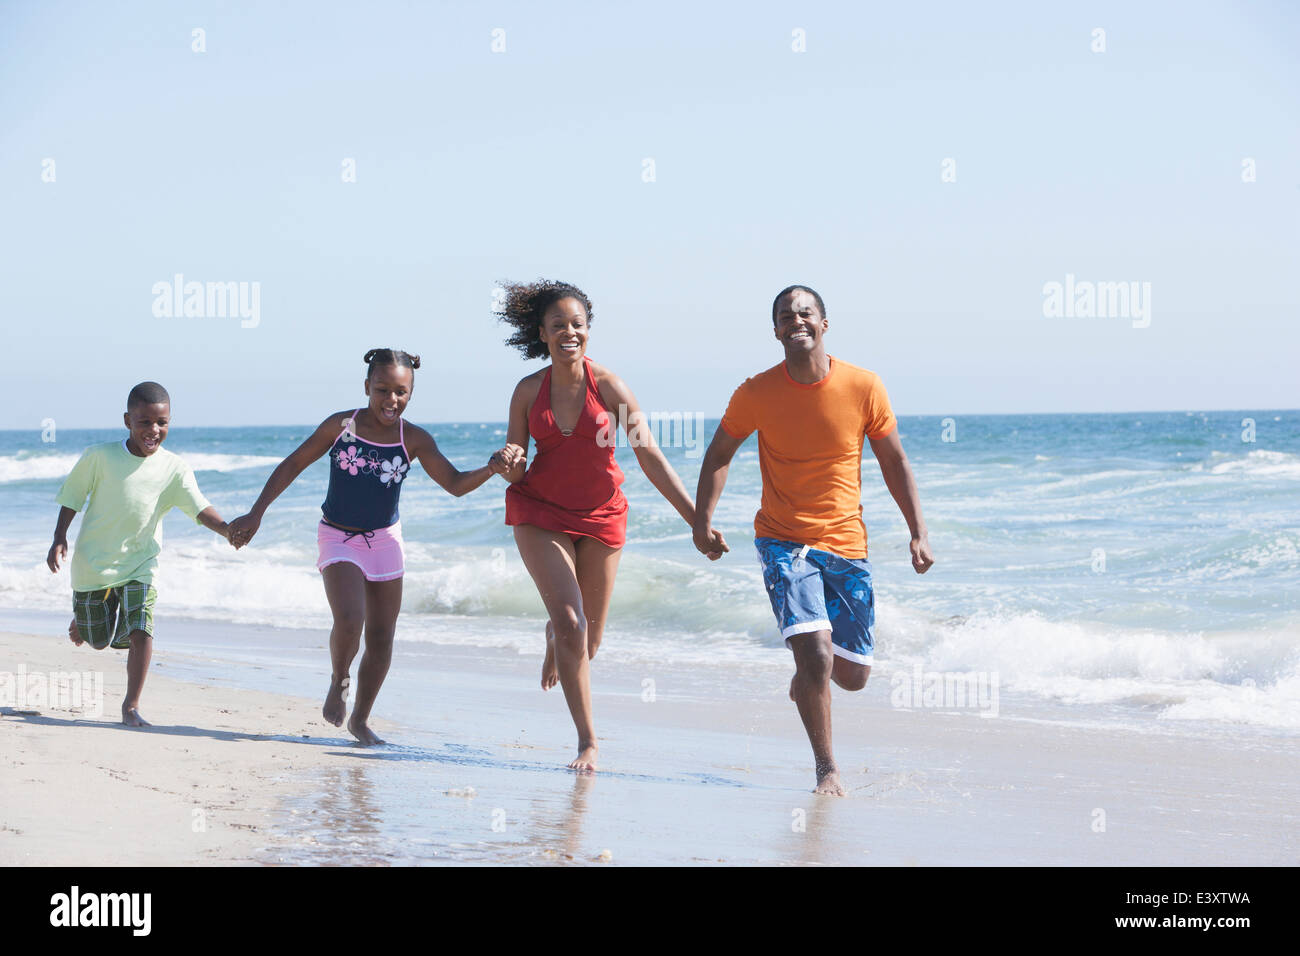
(713, 476)
(898, 479)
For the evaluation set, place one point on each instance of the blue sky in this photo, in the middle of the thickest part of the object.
(771, 167)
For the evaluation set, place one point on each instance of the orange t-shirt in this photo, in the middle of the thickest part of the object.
(810, 451)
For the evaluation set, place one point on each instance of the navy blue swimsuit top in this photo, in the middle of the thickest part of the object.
(365, 479)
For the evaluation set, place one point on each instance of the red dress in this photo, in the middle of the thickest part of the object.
(572, 483)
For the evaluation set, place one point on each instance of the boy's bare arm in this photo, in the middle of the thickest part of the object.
(209, 518)
(59, 549)
(902, 485)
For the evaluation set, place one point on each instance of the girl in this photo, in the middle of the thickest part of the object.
(567, 509)
(360, 537)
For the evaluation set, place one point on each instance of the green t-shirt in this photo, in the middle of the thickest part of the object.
(121, 530)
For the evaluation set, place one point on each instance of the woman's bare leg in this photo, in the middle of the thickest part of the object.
(597, 564)
(550, 559)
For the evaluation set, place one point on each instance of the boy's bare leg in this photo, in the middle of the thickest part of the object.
(73, 634)
(814, 662)
(345, 589)
(137, 668)
(383, 603)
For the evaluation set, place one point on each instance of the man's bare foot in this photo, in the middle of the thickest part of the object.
(363, 733)
(131, 717)
(585, 762)
(336, 707)
(74, 635)
(550, 673)
(828, 782)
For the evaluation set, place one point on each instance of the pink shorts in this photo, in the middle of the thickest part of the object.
(377, 553)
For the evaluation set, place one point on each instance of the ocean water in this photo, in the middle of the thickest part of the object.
(1124, 566)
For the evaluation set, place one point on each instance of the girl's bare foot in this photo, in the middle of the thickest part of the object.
(550, 673)
(73, 634)
(363, 733)
(131, 717)
(585, 762)
(336, 702)
(828, 782)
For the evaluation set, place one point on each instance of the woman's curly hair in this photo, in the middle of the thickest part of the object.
(524, 306)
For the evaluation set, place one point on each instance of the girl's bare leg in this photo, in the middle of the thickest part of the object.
(345, 589)
(383, 604)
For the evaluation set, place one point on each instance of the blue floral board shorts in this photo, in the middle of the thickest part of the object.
(814, 590)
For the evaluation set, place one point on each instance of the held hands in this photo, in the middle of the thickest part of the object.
(507, 458)
(709, 541)
(240, 531)
(58, 550)
(922, 559)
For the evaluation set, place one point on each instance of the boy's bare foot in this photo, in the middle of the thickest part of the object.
(550, 673)
(336, 707)
(131, 717)
(74, 635)
(585, 762)
(828, 782)
(363, 733)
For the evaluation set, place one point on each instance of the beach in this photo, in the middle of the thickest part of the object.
(1101, 668)
(699, 766)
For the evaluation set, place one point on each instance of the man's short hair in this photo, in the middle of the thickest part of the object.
(821, 306)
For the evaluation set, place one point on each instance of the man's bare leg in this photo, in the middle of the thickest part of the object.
(137, 668)
(814, 662)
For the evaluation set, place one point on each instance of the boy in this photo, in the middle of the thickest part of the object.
(131, 484)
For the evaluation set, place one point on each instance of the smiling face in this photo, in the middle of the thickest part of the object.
(148, 427)
(564, 329)
(799, 325)
(389, 388)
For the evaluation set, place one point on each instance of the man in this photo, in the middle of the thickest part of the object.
(812, 413)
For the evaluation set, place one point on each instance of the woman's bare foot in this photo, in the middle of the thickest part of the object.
(131, 717)
(336, 706)
(828, 782)
(585, 762)
(363, 733)
(74, 635)
(550, 673)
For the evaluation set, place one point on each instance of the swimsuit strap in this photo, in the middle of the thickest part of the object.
(401, 437)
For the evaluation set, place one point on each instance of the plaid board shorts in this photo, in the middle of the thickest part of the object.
(106, 618)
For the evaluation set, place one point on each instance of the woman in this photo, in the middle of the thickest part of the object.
(567, 509)
(359, 538)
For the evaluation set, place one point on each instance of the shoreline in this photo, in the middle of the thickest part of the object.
(687, 777)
